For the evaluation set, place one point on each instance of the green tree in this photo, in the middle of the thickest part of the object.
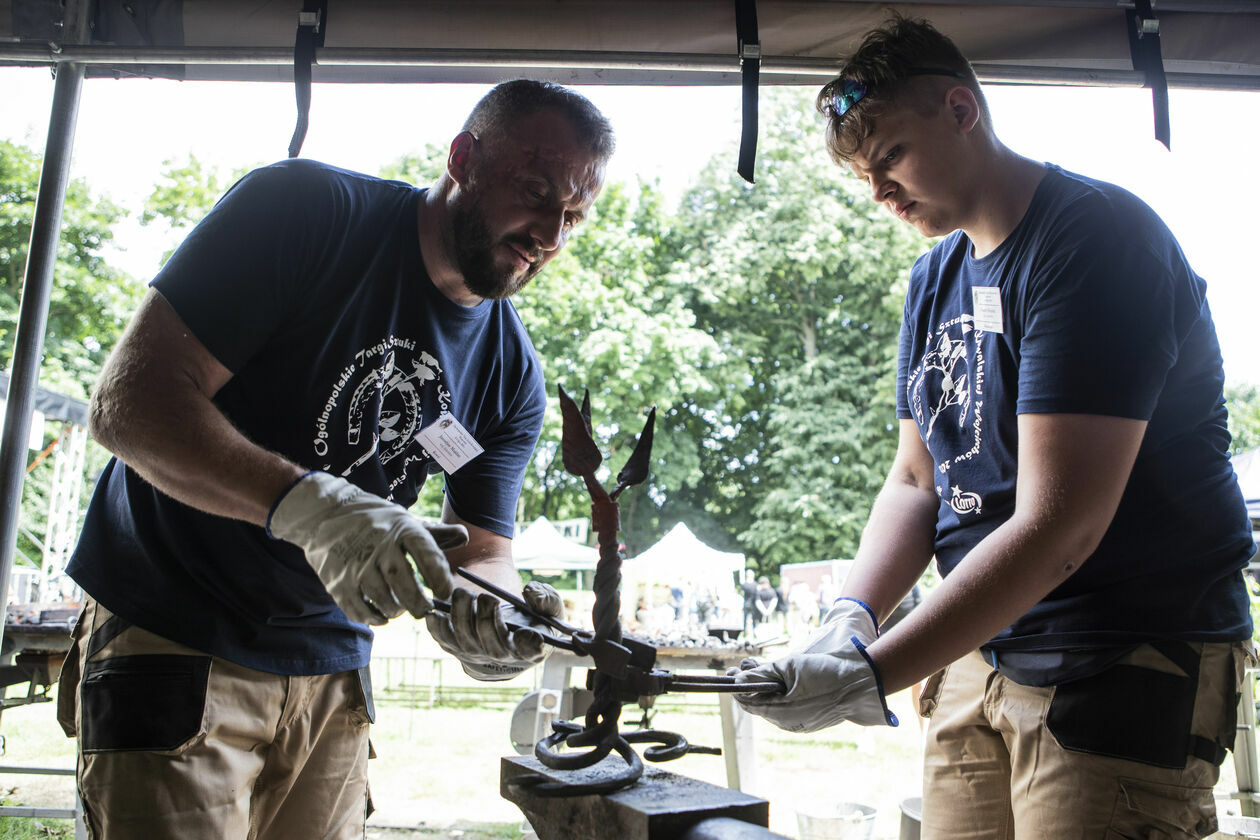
(799, 278)
(419, 169)
(90, 303)
(1243, 402)
(186, 192)
(603, 319)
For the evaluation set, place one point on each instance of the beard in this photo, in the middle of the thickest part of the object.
(474, 253)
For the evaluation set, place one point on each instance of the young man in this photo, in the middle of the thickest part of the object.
(319, 344)
(1063, 454)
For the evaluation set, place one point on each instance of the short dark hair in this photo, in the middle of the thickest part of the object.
(509, 102)
(904, 61)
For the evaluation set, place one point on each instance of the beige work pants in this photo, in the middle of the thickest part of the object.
(1102, 758)
(178, 745)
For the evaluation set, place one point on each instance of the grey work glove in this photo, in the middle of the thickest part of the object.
(366, 550)
(830, 680)
(476, 633)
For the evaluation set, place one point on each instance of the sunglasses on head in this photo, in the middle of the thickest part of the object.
(851, 90)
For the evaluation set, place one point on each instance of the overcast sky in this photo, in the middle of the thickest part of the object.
(1206, 188)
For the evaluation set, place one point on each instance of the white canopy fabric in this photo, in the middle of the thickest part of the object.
(540, 547)
(680, 558)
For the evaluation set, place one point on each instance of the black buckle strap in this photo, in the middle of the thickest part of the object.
(1207, 749)
(750, 67)
(1144, 49)
(312, 24)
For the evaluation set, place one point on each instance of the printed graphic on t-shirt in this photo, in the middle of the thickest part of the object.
(946, 396)
(375, 410)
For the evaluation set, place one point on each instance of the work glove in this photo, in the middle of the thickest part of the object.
(476, 631)
(830, 680)
(366, 550)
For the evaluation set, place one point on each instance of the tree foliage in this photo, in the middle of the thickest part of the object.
(1243, 402)
(186, 192)
(90, 303)
(603, 319)
(799, 277)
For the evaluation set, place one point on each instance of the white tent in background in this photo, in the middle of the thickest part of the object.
(540, 548)
(680, 559)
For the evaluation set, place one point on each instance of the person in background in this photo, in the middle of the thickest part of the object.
(781, 607)
(767, 600)
(827, 594)
(318, 345)
(749, 590)
(803, 612)
(1063, 453)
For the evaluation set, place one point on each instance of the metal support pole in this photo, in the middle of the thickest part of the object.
(33, 313)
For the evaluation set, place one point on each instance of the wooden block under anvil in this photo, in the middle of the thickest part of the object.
(659, 805)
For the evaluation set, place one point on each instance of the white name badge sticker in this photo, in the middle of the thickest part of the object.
(986, 305)
(449, 443)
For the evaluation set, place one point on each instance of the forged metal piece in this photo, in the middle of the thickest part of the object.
(582, 458)
(625, 667)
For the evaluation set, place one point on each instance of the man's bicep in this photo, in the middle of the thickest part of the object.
(913, 464)
(1073, 469)
(157, 361)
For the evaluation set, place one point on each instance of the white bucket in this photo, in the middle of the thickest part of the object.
(839, 821)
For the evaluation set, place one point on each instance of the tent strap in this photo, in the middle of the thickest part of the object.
(1144, 49)
(749, 46)
(312, 24)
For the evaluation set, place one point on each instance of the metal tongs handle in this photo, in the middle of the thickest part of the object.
(675, 682)
(520, 604)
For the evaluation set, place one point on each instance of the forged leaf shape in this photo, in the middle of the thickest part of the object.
(577, 446)
(636, 468)
(586, 412)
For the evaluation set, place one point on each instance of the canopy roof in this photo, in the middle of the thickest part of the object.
(680, 558)
(541, 547)
(1203, 43)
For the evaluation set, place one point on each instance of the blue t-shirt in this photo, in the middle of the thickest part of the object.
(307, 282)
(1088, 307)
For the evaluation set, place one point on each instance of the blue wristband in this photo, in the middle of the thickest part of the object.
(889, 717)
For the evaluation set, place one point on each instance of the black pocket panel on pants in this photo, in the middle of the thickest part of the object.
(146, 702)
(1127, 712)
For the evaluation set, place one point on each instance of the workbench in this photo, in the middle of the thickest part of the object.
(737, 725)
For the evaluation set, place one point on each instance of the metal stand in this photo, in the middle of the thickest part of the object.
(75, 813)
(738, 749)
(1246, 762)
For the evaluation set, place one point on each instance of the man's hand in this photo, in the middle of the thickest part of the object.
(828, 681)
(365, 549)
(476, 631)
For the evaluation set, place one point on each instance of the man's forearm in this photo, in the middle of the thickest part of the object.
(896, 547)
(208, 465)
(999, 581)
(153, 408)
